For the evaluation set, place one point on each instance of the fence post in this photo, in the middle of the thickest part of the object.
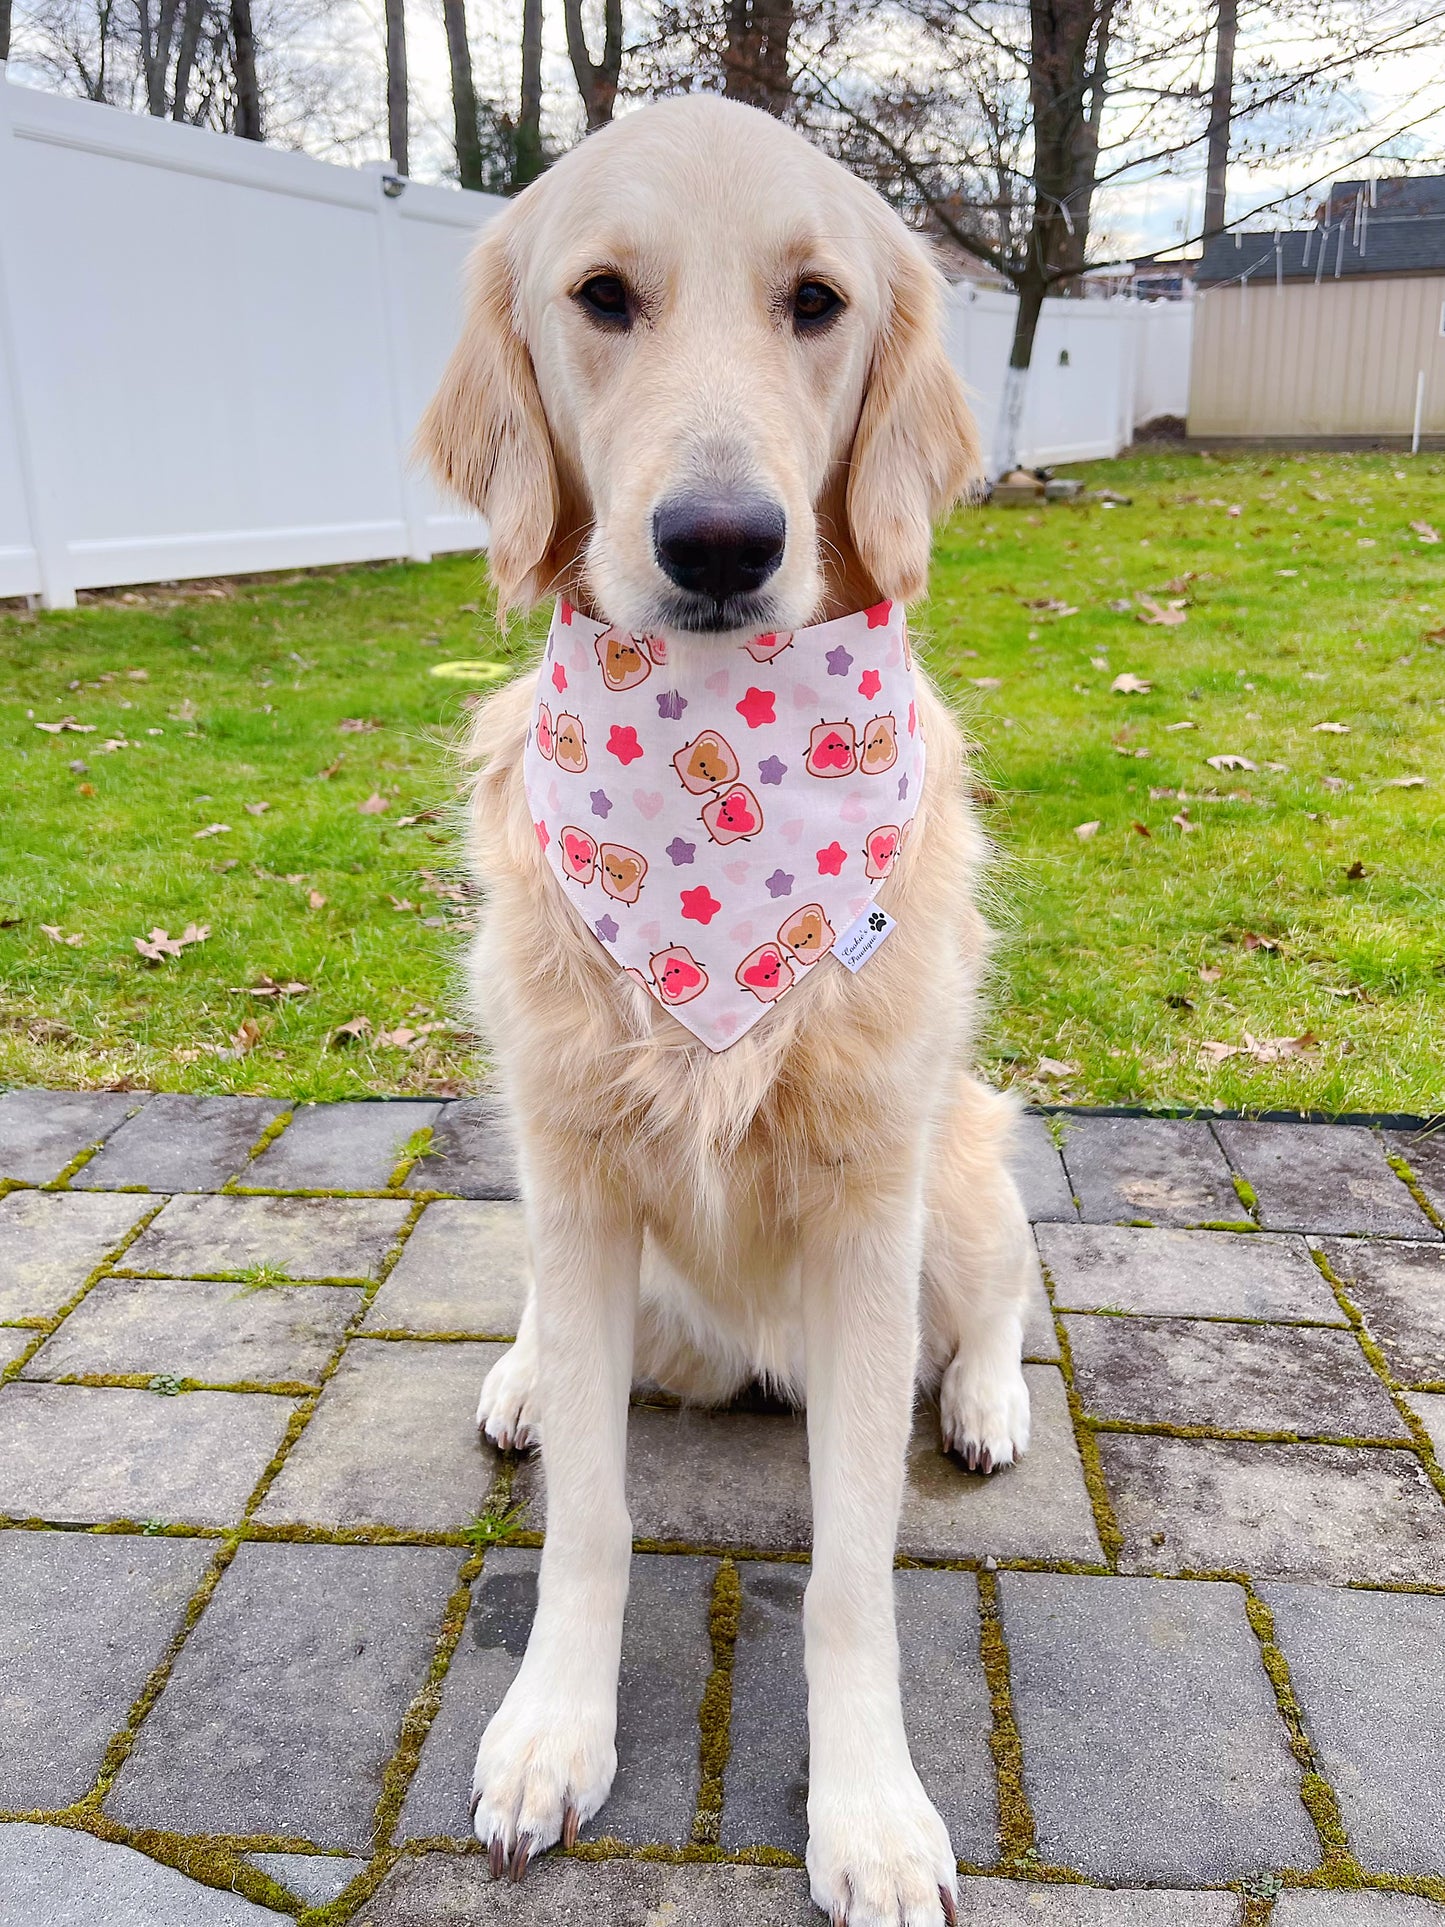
(390, 187)
(57, 589)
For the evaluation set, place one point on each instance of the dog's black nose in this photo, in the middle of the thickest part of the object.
(719, 545)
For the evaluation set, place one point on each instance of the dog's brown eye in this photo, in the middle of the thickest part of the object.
(815, 302)
(604, 297)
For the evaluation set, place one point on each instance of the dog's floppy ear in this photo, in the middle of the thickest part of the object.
(485, 433)
(916, 448)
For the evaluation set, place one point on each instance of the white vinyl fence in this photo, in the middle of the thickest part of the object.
(213, 354)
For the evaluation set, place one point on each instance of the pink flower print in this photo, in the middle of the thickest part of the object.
(831, 860)
(878, 615)
(871, 683)
(756, 708)
(623, 744)
(699, 904)
(559, 677)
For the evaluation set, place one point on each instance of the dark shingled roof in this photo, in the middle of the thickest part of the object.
(1403, 233)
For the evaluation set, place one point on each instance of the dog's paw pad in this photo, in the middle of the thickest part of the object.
(984, 1414)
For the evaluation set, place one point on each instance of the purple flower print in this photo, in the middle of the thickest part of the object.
(601, 803)
(670, 705)
(771, 770)
(606, 928)
(780, 884)
(681, 851)
(839, 661)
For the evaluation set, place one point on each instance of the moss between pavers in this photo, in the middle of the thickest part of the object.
(106, 1267)
(1015, 1814)
(1315, 1790)
(1105, 1524)
(1403, 1171)
(397, 1774)
(715, 1711)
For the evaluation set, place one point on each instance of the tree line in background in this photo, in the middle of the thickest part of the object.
(1001, 127)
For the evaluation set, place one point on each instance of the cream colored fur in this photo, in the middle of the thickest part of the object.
(825, 1205)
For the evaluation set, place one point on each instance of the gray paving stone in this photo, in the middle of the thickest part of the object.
(78, 1454)
(64, 1878)
(1037, 1509)
(1012, 1903)
(666, 1659)
(51, 1241)
(1168, 1170)
(1368, 1669)
(1323, 1177)
(82, 1622)
(448, 1890)
(221, 1333)
(13, 1341)
(945, 1708)
(1322, 1908)
(1340, 1513)
(340, 1147)
(1232, 1378)
(393, 1442)
(464, 1269)
(472, 1152)
(304, 1237)
(1153, 1749)
(1039, 1172)
(286, 1701)
(1040, 1338)
(41, 1131)
(1399, 1291)
(316, 1878)
(1426, 1158)
(1429, 1408)
(180, 1143)
(765, 1787)
(1200, 1274)
(710, 1478)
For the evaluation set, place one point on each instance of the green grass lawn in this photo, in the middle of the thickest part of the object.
(1286, 949)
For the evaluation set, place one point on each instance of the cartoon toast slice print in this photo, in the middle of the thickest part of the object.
(765, 648)
(570, 750)
(832, 750)
(706, 763)
(544, 731)
(579, 855)
(880, 851)
(624, 661)
(678, 975)
(807, 934)
(766, 972)
(622, 871)
(880, 746)
(735, 815)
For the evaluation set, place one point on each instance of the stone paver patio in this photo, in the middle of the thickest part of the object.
(1185, 1664)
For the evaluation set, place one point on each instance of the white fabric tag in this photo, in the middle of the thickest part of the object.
(863, 936)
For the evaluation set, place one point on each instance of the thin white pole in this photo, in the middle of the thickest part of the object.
(1419, 412)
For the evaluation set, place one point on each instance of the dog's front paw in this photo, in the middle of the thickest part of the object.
(878, 1854)
(544, 1766)
(983, 1409)
(507, 1413)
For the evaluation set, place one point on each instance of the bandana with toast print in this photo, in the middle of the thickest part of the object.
(719, 828)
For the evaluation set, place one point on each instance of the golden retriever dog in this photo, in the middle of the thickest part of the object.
(701, 392)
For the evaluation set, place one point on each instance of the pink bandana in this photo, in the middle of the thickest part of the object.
(721, 826)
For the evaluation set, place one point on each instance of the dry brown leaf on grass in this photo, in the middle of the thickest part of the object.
(358, 725)
(1356, 871)
(987, 682)
(316, 900)
(57, 935)
(1130, 685)
(400, 903)
(1261, 1050)
(267, 986)
(1228, 760)
(255, 809)
(67, 722)
(160, 944)
(1329, 729)
(1055, 1068)
(331, 768)
(1253, 941)
(212, 829)
(1167, 614)
(1049, 605)
(1404, 783)
(1182, 823)
(247, 1037)
(375, 805)
(1170, 728)
(1083, 831)
(421, 816)
(1425, 532)
(1210, 973)
(352, 1032)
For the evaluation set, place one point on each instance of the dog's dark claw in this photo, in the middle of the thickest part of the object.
(476, 1801)
(950, 1912)
(840, 1919)
(521, 1857)
(570, 1824)
(497, 1857)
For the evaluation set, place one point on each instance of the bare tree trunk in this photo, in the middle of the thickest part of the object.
(755, 59)
(527, 163)
(186, 56)
(160, 59)
(464, 94)
(4, 29)
(396, 88)
(1221, 107)
(1031, 289)
(248, 92)
(596, 82)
